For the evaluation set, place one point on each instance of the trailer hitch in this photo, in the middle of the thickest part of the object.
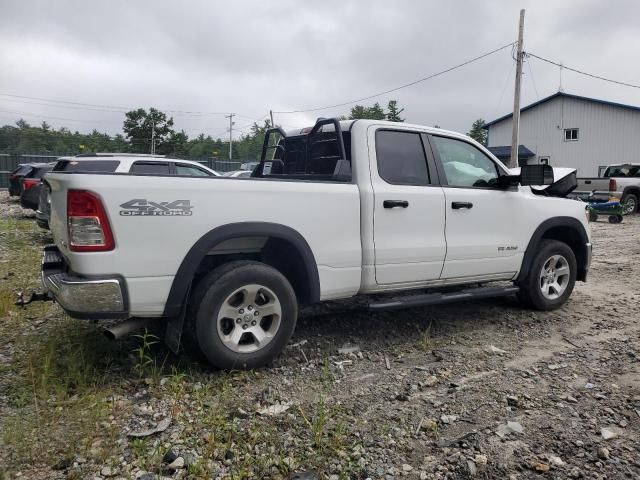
(34, 297)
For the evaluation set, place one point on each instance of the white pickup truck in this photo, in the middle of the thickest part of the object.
(341, 209)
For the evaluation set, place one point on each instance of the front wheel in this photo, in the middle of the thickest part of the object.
(551, 277)
(243, 314)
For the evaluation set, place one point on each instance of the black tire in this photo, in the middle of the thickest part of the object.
(593, 217)
(210, 295)
(630, 199)
(615, 218)
(530, 289)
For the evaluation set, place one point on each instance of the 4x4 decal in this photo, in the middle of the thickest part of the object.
(143, 207)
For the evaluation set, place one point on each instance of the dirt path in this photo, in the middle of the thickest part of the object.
(484, 389)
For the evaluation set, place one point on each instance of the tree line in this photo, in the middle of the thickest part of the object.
(142, 127)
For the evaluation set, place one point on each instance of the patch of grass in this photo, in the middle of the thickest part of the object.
(146, 364)
(138, 446)
(6, 303)
(57, 392)
(425, 342)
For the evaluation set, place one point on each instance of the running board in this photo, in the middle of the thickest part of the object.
(436, 298)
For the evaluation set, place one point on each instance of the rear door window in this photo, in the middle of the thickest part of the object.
(86, 166)
(401, 158)
(150, 168)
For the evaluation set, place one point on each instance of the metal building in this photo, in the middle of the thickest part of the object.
(566, 130)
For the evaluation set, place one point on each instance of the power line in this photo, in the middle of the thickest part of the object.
(599, 77)
(506, 82)
(112, 108)
(22, 114)
(533, 81)
(391, 90)
(62, 106)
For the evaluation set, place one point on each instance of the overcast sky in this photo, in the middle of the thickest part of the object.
(248, 57)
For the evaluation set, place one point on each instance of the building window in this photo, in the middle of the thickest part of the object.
(570, 134)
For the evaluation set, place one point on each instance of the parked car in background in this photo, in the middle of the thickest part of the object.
(620, 180)
(119, 163)
(238, 174)
(133, 163)
(32, 184)
(16, 176)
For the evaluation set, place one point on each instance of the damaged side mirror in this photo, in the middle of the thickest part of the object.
(536, 174)
(529, 175)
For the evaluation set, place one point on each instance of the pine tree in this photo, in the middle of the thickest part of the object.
(478, 133)
(393, 115)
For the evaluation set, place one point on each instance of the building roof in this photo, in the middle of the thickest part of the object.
(505, 151)
(565, 95)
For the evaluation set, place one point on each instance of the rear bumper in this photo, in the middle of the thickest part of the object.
(83, 297)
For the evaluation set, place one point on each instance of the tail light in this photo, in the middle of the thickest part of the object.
(28, 183)
(87, 222)
(613, 186)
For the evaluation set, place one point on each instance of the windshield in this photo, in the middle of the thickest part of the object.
(627, 170)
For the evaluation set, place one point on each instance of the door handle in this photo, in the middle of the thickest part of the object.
(459, 205)
(395, 203)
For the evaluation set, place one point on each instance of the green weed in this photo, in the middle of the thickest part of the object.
(425, 343)
(146, 364)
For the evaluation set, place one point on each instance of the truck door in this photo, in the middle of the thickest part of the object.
(482, 226)
(408, 210)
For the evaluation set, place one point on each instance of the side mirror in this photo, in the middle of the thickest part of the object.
(536, 175)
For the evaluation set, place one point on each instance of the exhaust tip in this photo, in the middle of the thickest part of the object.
(110, 334)
(119, 330)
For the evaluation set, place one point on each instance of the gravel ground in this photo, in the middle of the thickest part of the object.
(483, 389)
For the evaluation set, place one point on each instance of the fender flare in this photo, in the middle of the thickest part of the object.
(182, 281)
(532, 248)
(634, 189)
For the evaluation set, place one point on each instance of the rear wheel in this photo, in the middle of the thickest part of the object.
(551, 278)
(630, 202)
(243, 315)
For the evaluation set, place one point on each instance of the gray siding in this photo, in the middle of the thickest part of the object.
(608, 134)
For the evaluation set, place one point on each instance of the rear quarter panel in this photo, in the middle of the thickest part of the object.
(149, 249)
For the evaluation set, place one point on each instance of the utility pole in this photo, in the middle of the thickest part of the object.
(516, 97)
(231, 123)
(153, 137)
(271, 115)
(560, 84)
